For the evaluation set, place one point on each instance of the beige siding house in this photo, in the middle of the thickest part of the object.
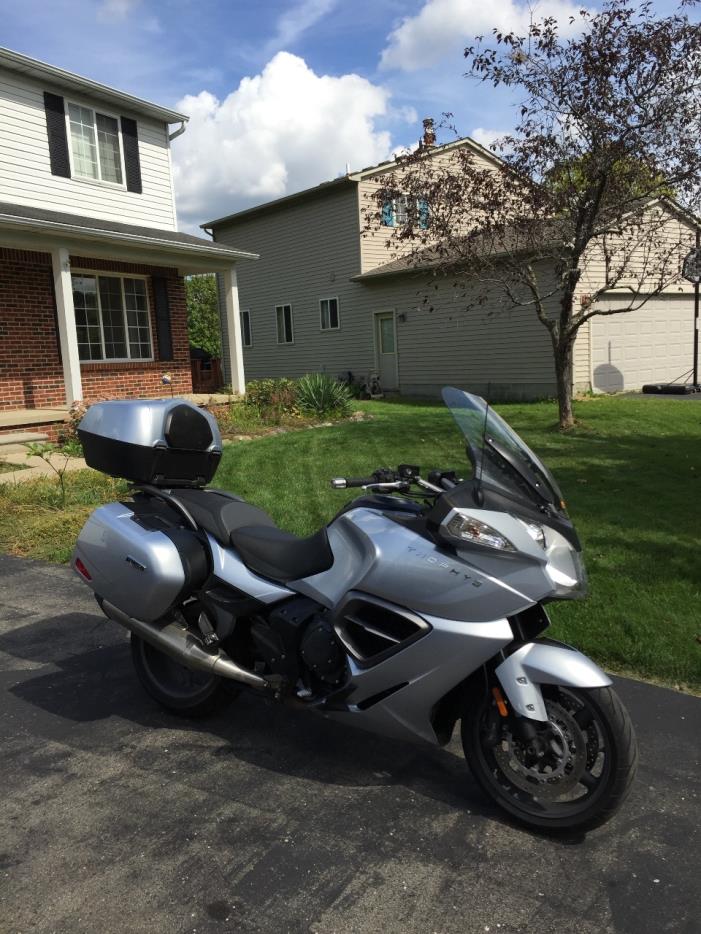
(326, 295)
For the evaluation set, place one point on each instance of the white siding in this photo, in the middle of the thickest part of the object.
(493, 349)
(310, 250)
(313, 248)
(379, 245)
(625, 351)
(664, 241)
(25, 173)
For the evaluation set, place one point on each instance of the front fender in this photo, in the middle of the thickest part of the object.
(536, 663)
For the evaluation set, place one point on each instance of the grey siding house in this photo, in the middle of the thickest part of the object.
(328, 296)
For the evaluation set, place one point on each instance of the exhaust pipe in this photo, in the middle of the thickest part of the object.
(176, 641)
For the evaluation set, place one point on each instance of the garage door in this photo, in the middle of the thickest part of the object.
(651, 345)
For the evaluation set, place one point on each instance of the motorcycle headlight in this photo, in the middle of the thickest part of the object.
(536, 531)
(469, 529)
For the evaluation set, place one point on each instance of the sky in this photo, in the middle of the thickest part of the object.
(281, 95)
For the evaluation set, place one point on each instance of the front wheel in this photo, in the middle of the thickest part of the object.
(179, 689)
(571, 774)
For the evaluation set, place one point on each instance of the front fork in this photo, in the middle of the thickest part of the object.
(523, 672)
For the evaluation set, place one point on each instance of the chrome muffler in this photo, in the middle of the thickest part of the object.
(177, 641)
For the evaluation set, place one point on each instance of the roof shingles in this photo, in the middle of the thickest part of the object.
(58, 218)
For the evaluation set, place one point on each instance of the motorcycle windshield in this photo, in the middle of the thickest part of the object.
(498, 455)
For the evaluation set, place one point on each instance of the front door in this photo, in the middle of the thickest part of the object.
(386, 350)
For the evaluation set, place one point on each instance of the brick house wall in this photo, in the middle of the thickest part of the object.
(31, 375)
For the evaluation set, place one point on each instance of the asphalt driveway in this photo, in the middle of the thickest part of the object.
(116, 817)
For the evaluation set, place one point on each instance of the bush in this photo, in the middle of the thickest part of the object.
(68, 440)
(321, 395)
(273, 398)
(203, 314)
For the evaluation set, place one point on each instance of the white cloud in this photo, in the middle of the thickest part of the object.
(485, 137)
(297, 20)
(116, 10)
(281, 131)
(119, 11)
(441, 28)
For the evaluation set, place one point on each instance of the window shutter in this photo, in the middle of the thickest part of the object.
(422, 205)
(163, 332)
(56, 131)
(388, 214)
(132, 164)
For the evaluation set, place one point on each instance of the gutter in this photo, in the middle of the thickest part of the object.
(16, 61)
(85, 233)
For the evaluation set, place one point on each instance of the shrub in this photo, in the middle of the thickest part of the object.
(203, 314)
(68, 440)
(321, 395)
(273, 398)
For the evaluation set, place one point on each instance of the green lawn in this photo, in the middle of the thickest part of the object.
(630, 474)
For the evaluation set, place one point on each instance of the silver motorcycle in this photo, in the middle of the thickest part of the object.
(421, 604)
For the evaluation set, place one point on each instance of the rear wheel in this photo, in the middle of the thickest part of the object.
(574, 775)
(181, 690)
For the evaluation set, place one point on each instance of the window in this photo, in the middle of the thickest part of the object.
(401, 210)
(283, 314)
(387, 343)
(95, 145)
(112, 318)
(395, 213)
(246, 336)
(328, 311)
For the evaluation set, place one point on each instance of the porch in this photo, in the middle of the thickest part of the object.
(15, 418)
(91, 309)
(22, 426)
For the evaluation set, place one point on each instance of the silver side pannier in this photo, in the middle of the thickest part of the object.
(163, 442)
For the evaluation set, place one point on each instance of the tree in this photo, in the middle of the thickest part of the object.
(203, 325)
(577, 204)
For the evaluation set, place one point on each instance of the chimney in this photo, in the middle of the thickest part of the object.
(429, 137)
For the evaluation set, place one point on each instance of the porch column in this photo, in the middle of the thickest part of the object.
(233, 330)
(67, 335)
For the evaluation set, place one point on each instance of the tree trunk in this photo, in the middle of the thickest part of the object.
(563, 373)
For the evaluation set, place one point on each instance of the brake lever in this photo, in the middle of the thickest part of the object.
(428, 486)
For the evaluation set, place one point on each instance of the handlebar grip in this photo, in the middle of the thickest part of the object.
(360, 481)
(344, 483)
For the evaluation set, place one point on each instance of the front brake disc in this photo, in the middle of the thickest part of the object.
(556, 772)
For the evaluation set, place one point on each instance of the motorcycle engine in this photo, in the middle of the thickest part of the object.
(321, 652)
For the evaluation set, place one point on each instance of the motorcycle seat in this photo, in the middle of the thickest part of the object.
(262, 546)
(219, 513)
(280, 556)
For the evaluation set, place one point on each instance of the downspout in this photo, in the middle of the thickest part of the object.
(178, 132)
(172, 136)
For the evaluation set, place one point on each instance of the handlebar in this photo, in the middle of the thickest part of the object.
(400, 480)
